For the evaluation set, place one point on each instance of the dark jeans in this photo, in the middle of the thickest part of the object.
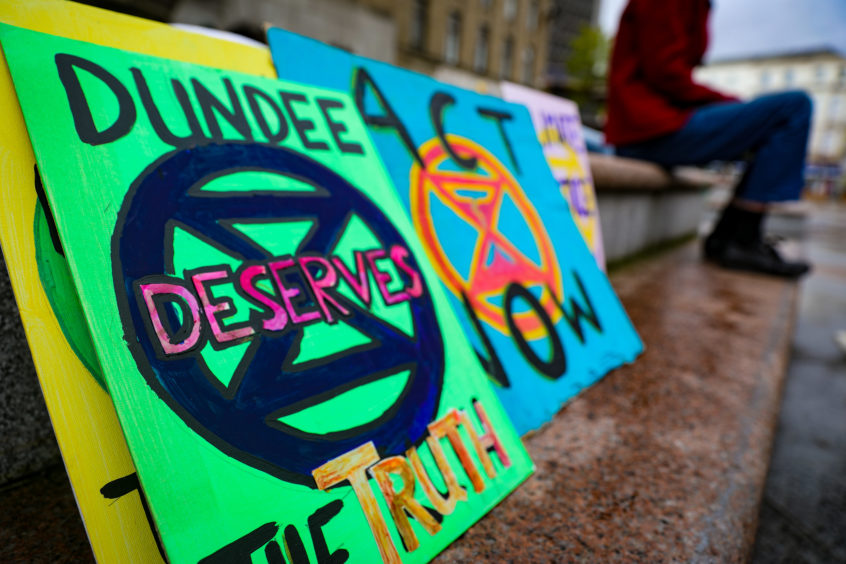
(772, 128)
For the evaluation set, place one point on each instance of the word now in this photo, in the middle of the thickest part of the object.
(358, 466)
(315, 298)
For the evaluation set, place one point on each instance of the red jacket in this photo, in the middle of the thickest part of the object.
(650, 88)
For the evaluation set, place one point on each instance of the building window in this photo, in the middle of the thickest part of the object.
(842, 78)
(529, 65)
(509, 10)
(765, 79)
(828, 143)
(453, 38)
(507, 58)
(789, 77)
(834, 108)
(819, 73)
(419, 17)
(532, 15)
(480, 56)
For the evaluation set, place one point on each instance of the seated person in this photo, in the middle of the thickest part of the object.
(657, 113)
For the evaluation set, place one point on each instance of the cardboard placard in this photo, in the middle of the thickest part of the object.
(275, 348)
(84, 421)
(559, 131)
(469, 169)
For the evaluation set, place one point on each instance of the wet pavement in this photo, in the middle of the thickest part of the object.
(39, 521)
(803, 514)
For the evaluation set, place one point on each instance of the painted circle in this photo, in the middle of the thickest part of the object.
(239, 425)
(483, 282)
(61, 293)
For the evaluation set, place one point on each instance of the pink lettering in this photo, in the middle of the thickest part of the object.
(280, 318)
(359, 284)
(212, 309)
(290, 292)
(319, 286)
(148, 291)
(398, 255)
(383, 278)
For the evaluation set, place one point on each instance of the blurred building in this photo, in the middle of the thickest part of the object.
(474, 43)
(471, 42)
(567, 19)
(820, 72)
(353, 26)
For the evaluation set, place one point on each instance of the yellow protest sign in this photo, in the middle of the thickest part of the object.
(84, 420)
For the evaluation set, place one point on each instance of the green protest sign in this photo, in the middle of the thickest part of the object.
(288, 375)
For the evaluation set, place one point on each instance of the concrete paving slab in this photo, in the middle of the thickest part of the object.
(39, 521)
(27, 443)
(803, 516)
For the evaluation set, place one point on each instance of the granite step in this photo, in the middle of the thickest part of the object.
(663, 460)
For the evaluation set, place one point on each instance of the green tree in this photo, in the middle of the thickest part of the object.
(587, 64)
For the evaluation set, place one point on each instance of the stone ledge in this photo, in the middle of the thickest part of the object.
(613, 174)
(642, 205)
(665, 459)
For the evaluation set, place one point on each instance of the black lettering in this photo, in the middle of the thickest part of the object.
(294, 547)
(389, 118)
(491, 363)
(337, 127)
(83, 121)
(302, 126)
(159, 125)
(128, 484)
(316, 521)
(240, 550)
(574, 319)
(556, 366)
(273, 553)
(437, 104)
(48, 213)
(499, 117)
(211, 106)
(253, 94)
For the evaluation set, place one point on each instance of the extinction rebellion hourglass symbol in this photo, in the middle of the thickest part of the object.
(171, 317)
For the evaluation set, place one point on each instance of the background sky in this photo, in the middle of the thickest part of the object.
(760, 27)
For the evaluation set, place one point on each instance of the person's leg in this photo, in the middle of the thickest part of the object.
(774, 130)
(774, 127)
(775, 173)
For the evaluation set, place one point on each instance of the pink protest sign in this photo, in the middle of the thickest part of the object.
(559, 130)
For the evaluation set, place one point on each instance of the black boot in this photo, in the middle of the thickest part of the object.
(735, 225)
(736, 242)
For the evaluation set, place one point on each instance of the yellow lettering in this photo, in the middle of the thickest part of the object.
(447, 426)
(455, 493)
(490, 439)
(403, 500)
(352, 466)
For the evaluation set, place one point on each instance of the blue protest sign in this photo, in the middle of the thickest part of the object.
(542, 317)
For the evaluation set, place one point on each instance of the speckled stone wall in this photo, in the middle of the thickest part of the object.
(27, 443)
